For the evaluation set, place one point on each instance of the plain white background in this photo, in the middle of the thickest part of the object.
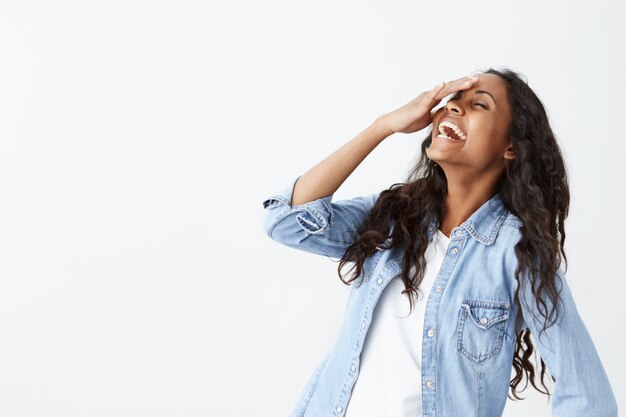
(139, 139)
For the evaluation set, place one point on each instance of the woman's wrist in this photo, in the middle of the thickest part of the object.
(380, 125)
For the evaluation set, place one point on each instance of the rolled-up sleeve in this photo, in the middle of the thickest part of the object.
(581, 385)
(322, 226)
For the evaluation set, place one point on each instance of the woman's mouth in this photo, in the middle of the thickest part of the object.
(449, 130)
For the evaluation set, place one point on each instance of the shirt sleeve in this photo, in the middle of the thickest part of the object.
(322, 226)
(581, 386)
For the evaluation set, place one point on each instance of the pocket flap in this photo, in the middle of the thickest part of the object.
(485, 314)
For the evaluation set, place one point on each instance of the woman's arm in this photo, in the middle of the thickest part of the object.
(328, 175)
(581, 387)
(304, 221)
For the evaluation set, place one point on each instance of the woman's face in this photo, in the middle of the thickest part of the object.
(483, 115)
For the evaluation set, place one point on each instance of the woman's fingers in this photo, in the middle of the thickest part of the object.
(456, 85)
(443, 89)
(435, 93)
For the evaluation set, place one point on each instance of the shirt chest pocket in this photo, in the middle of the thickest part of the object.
(481, 328)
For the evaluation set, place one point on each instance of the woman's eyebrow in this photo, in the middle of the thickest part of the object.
(478, 92)
(486, 92)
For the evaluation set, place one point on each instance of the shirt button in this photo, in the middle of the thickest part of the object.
(483, 320)
(339, 409)
(429, 384)
(431, 333)
(362, 325)
(459, 232)
(454, 251)
(353, 368)
(438, 288)
(379, 281)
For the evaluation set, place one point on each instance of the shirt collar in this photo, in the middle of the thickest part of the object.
(484, 223)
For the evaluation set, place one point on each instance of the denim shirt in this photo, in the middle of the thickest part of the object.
(469, 335)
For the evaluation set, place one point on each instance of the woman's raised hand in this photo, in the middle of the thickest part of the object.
(416, 114)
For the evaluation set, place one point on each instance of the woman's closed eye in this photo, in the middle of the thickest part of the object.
(458, 96)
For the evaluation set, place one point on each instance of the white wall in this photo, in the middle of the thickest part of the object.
(139, 138)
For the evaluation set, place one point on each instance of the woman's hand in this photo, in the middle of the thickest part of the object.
(416, 114)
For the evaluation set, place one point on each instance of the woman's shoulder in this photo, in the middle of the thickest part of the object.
(512, 221)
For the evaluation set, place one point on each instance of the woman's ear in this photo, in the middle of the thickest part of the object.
(510, 153)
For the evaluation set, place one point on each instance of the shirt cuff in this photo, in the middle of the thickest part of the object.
(314, 217)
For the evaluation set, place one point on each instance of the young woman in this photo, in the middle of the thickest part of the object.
(478, 229)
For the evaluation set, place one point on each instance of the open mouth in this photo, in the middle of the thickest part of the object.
(448, 130)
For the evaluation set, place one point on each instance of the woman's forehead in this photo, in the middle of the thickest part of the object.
(492, 83)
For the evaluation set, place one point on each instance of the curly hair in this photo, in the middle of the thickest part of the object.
(534, 187)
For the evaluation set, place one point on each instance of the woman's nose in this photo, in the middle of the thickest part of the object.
(453, 106)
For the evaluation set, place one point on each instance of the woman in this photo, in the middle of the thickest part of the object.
(478, 228)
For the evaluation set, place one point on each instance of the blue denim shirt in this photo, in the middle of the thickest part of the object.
(469, 333)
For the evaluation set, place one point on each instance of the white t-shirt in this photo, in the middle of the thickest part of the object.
(390, 380)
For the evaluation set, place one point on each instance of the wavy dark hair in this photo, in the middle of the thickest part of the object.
(534, 187)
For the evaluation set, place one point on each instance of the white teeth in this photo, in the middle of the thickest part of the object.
(453, 127)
